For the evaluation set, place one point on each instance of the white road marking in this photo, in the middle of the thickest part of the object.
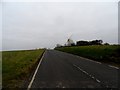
(98, 80)
(113, 66)
(89, 60)
(94, 61)
(30, 84)
(87, 73)
(93, 77)
(97, 62)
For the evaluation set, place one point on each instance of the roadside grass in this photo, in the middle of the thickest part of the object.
(102, 53)
(17, 66)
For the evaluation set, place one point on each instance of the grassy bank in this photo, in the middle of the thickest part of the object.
(104, 53)
(17, 65)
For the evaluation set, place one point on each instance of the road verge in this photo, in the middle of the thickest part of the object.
(35, 72)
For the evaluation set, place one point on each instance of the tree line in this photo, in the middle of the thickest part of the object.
(86, 43)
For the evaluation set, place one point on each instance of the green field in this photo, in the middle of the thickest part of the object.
(104, 53)
(17, 66)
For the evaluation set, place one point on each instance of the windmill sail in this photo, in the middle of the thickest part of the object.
(70, 41)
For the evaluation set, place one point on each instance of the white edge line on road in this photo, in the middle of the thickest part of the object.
(98, 62)
(87, 73)
(83, 58)
(113, 67)
(93, 61)
(30, 84)
(89, 60)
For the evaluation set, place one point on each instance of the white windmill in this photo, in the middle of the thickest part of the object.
(69, 42)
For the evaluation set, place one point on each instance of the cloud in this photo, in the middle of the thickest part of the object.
(32, 25)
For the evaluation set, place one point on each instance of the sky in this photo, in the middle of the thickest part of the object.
(28, 25)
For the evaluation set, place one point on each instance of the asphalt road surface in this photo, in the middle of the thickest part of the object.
(63, 70)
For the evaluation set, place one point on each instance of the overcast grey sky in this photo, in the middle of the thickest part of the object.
(27, 25)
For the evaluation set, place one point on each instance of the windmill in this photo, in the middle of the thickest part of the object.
(69, 41)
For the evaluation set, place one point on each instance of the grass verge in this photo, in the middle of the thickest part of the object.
(102, 53)
(17, 65)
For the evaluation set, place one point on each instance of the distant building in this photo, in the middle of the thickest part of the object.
(70, 42)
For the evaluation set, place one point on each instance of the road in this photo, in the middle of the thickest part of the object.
(63, 70)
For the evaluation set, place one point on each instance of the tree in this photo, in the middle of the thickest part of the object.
(82, 43)
(96, 42)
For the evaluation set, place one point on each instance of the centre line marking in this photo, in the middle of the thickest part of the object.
(87, 73)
